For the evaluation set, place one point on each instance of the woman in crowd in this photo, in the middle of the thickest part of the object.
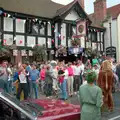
(48, 81)
(90, 99)
(23, 86)
(70, 79)
(63, 84)
(42, 77)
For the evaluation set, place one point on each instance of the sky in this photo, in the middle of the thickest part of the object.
(89, 8)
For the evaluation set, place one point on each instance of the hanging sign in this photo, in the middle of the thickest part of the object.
(15, 52)
(30, 53)
(81, 28)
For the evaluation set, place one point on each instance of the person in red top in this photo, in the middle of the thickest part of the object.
(63, 84)
(70, 79)
(42, 77)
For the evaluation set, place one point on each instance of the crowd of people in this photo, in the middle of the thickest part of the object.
(60, 79)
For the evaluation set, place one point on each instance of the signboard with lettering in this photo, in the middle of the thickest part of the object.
(111, 51)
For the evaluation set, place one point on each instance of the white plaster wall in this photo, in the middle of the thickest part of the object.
(63, 34)
(56, 34)
(72, 16)
(118, 36)
(114, 33)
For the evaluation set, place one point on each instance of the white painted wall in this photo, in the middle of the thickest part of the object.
(63, 34)
(72, 16)
(118, 36)
(114, 33)
(56, 34)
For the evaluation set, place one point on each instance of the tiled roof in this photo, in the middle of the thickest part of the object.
(114, 11)
(42, 8)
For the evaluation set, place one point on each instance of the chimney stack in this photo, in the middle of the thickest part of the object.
(100, 11)
(82, 3)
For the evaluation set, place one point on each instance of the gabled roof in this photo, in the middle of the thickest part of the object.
(66, 9)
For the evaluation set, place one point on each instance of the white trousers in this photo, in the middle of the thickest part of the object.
(70, 85)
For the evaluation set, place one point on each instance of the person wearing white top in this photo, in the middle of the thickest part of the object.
(23, 83)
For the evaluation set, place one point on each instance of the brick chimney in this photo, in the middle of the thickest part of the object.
(82, 3)
(99, 11)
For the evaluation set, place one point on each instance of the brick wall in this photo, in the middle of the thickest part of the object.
(99, 11)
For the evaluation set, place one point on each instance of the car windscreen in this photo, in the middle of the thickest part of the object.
(26, 106)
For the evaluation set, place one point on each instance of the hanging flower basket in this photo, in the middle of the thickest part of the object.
(4, 51)
(61, 50)
(75, 42)
(39, 53)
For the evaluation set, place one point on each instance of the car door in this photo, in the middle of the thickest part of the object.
(10, 112)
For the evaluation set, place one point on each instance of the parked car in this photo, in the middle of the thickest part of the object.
(37, 109)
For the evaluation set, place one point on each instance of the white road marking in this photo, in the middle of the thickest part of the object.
(114, 118)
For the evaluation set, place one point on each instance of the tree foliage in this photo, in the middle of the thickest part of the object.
(39, 53)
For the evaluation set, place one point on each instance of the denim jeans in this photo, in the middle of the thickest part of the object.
(35, 88)
(63, 87)
(3, 85)
(48, 89)
(9, 86)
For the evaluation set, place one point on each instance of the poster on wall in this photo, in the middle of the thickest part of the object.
(81, 28)
(23, 53)
(15, 52)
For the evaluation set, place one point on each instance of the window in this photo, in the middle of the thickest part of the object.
(73, 30)
(49, 29)
(20, 25)
(31, 41)
(49, 42)
(20, 40)
(101, 47)
(98, 36)
(42, 28)
(94, 36)
(8, 39)
(31, 26)
(35, 27)
(98, 46)
(42, 41)
(8, 24)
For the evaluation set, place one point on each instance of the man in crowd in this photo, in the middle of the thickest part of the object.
(4, 76)
(34, 76)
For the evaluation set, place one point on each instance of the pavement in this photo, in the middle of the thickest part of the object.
(115, 115)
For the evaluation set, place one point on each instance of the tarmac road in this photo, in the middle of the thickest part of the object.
(115, 115)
